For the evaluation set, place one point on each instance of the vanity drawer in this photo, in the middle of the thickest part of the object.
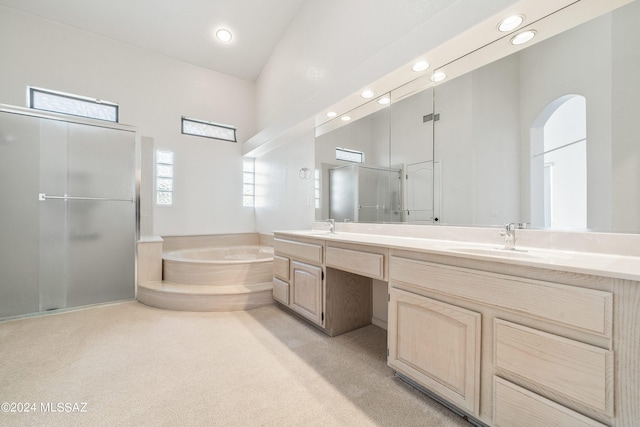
(281, 267)
(516, 406)
(280, 291)
(303, 251)
(355, 261)
(578, 308)
(580, 372)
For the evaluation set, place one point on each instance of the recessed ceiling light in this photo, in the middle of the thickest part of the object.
(438, 76)
(224, 35)
(523, 37)
(345, 118)
(510, 23)
(367, 94)
(384, 101)
(332, 114)
(420, 66)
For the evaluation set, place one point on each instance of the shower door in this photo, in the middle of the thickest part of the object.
(68, 212)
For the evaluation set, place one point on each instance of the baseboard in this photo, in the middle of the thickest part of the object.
(379, 323)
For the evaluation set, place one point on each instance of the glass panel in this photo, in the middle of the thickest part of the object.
(164, 184)
(67, 104)
(164, 157)
(19, 230)
(248, 166)
(164, 198)
(248, 178)
(53, 215)
(101, 162)
(208, 130)
(164, 171)
(58, 253)
(349, 155)
(101, 247)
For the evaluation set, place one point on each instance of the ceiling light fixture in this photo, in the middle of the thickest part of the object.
(345, 118)
(367, 94)
(331, 114)
(438, 76)
(224, 35)
(523, 37)
(420, 66)
(510, 23)
(384, 101)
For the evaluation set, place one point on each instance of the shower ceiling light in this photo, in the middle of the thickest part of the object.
(331, 114)
(420, 66)
(384, 100)
(224, 35)
(438, 76)
(523, 37)
(345, 118)
(510, 23)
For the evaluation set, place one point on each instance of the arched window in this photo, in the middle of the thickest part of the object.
(559, 164)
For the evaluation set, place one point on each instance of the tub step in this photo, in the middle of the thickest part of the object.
(185, 297)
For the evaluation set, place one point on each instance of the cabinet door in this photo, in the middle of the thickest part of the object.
(306, 291)
(436, 345)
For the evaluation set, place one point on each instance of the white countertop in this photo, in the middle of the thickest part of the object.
(615, 266)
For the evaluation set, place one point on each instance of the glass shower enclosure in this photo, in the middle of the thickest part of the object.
(68, 211)
(362, 193)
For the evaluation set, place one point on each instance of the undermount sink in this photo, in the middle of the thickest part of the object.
(497, 252)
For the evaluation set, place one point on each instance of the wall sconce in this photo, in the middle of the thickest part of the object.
(304, 173)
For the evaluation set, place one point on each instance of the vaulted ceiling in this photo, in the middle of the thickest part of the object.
(183, 29)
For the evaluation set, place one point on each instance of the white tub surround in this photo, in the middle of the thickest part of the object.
(546, 334)
(150, 259)
(206, 273)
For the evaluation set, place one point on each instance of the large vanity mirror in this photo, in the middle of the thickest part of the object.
(543, 136)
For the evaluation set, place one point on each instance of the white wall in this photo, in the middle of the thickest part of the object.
(334, 48)
(153, 92)
(284, 201)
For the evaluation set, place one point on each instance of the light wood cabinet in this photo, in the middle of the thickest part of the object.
(509, 345)
(306, 291)
(517, 406)
(281, 291)
(334, 300)
(570, 369)
(553, 351)
(281, 267)
(368, 262)
(436, 345)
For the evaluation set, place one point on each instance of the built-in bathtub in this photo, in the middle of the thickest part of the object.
(212, 279)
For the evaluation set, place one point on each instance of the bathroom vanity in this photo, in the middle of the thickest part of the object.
(542, 337)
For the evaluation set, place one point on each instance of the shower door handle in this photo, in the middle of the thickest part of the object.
(42, 197)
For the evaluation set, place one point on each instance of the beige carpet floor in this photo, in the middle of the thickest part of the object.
(134, 365)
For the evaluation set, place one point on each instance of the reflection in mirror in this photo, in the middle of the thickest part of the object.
(412, 122)
(532, 138)
(545, 136)
(354, 178)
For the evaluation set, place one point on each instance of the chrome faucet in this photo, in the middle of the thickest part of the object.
(509, 234)
(332, 225)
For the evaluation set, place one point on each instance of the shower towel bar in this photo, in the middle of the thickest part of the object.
(42, 197)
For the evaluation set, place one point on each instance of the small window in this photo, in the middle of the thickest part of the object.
(164, 178)
(75, 105)
(208, 129)
(349, 155)
(248, 182)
